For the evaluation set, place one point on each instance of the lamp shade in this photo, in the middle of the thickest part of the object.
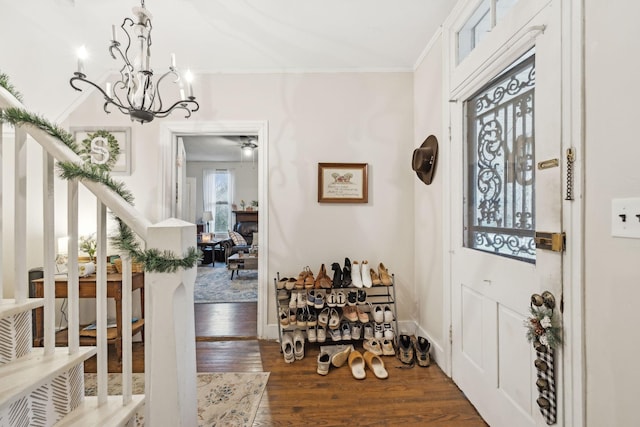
(207, 216)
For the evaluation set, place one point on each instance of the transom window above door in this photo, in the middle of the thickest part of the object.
(486, 16)
(499, 157)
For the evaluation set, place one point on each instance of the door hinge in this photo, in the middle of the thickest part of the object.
(550, 241)
(450, 334)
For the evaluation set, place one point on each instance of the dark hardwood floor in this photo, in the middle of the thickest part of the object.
(296, 395)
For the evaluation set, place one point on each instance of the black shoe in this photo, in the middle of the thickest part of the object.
(346, 273)
(337, 275)
(422, 346)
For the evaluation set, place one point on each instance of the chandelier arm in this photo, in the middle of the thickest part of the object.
(180, 105)
(172, 71)
(109, 100)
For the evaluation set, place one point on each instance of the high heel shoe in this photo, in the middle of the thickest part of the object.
(346, 273)
(385, 277)
(309, 281)
(375, 279)
(337, 275)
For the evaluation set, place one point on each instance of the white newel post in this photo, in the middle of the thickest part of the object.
(170, 342)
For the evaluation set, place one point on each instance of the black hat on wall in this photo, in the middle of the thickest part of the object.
(424, 159)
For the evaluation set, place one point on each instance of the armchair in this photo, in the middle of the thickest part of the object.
(246, 230)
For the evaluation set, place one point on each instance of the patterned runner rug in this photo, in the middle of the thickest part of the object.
(224, 399)
(215, 285)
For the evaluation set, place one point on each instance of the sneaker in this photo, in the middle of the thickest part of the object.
(334, 319)
(301, 318)
(293, 303)
(405, 349)
(283, 295)
(311, 297)
(341, 299)
(324, 360)
(422, 347)
(378, 331)
(319, 300)
(287, 348)
(282, 282)
(312, 318)
(291, 283)
(331, 299)
(312, 336)
(378, 314)
(366, 276)
(368, 331)
(387, 348)
(388, 314)
(298, 344)
(356, 331)
(345, 329)
(335, 334)
(323, 317)
(302, 299)
(352, 298)
(284, 317)
(388, 331)
(362, 316)
(350, 314)
(362, 296)
(373, 346)
(292, 317)
(321, 334)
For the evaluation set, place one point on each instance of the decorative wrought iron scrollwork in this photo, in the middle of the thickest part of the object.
(501, 185)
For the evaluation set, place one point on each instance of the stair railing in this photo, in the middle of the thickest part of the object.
(168, 296)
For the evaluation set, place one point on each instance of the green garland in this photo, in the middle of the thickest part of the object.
(125, 240)
(4, 82)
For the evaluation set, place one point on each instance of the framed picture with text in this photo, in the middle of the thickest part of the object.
(343, 183)
(99, 146)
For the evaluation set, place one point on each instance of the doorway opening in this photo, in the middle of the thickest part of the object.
(213, 180)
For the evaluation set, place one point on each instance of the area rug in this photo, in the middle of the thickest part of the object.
(224, 399)
(215, 285)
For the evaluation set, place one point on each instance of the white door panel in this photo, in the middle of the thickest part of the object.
(492, 362)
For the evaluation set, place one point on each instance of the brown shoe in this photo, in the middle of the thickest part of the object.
(422, 347)
(405, 350)
(385, 277)
(375, 279)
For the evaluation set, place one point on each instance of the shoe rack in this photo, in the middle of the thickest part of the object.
(378, 301)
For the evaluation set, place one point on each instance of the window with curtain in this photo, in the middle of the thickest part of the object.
(217, 186)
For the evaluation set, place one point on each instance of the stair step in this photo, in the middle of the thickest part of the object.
(9, 307)
(22, 376)
(112, 413)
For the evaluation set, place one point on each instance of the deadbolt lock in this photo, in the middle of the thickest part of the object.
(550, 241)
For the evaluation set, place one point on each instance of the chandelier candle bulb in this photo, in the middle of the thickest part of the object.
(108, 90)
(181, 93)
(173, 60)
(113, 33)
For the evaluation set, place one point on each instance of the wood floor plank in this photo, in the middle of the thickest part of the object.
(296, 395)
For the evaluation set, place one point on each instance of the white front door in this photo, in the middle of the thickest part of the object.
(502, 127)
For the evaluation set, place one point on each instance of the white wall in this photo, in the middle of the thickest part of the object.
(349, 117)
(428, 307)
(612, 277)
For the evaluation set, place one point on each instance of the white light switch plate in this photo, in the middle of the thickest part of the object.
(624, 222)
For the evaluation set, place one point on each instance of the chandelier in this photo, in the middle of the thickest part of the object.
(135, 93)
